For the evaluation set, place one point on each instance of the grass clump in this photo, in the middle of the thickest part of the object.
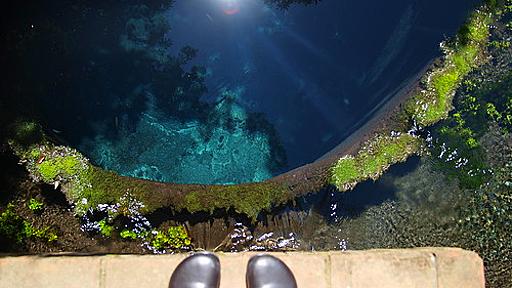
(373, 160)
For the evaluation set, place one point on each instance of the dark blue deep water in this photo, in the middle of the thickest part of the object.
(224, 91)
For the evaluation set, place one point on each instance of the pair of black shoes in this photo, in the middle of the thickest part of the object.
(202, 270)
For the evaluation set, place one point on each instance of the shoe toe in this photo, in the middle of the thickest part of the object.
(266, 271)
(201, 270)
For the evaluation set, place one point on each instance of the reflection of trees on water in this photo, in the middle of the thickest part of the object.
(83, 69)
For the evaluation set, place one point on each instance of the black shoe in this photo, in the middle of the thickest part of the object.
(201, 270)
(269, 272)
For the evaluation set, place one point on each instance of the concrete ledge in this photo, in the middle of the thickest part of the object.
(421, 267)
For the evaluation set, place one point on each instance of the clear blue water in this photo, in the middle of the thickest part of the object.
(231, 91)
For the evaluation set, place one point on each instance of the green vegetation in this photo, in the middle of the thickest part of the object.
(478, 103)
(248, 199)
(26, 132)
(128, 234)
(428, 107)
(175, 238)
(461, 56)
(18, 230)
(374, 159)
(468, 164)
(105, 229)
(485, 220)
(84, 184)
(88, 186)
(35, 205)
(64, 166)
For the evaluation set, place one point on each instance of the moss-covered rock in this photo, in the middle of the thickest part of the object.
(462, 54)
(373, 159)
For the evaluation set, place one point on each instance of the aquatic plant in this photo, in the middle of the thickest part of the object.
(104, 228)
(249, 199)
(485, 221)
(128, 234)
(26, 132)
(443, 203)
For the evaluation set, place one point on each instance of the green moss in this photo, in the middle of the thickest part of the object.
(373, 160)
(64, 166)
(249, 199)
(128, 234)
(11, 225)
(434, 103)
(26, 132)
(34, 154)
(346, 170)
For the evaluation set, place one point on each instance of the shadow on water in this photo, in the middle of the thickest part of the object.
(331, 204)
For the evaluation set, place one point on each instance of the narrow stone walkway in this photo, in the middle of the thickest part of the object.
(421, 267)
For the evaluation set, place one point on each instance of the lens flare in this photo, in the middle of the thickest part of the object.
(230, 7)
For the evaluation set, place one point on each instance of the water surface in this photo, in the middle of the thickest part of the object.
(231, 91)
